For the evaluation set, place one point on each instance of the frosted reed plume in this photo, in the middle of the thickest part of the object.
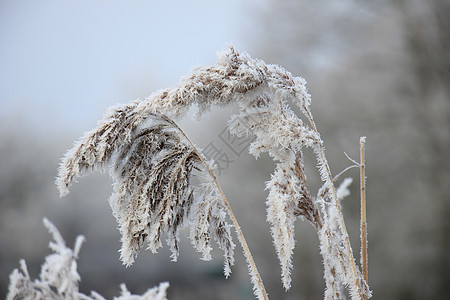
(152, 163)
(59, 277)
(152, 166)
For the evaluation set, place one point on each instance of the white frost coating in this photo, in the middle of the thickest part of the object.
(342, 191)
(156, 293)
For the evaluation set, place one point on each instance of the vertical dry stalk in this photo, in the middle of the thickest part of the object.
(362, 176)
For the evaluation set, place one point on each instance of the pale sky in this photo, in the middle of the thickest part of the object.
(62, 63)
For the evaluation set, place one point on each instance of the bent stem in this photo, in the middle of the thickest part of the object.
(258, 285)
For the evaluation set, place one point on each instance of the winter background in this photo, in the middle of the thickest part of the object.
(379, 69)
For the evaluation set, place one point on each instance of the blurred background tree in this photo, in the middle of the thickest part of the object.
(379, 69)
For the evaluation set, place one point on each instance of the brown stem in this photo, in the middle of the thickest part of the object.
(362, 176)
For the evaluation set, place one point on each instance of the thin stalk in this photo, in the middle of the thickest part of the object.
(258, 283)
(362, 176)
(338, 207)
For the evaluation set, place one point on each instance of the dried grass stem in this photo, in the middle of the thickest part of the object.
(362, 168)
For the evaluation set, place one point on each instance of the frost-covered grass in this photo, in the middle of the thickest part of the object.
(153, 163)
(59, 277)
